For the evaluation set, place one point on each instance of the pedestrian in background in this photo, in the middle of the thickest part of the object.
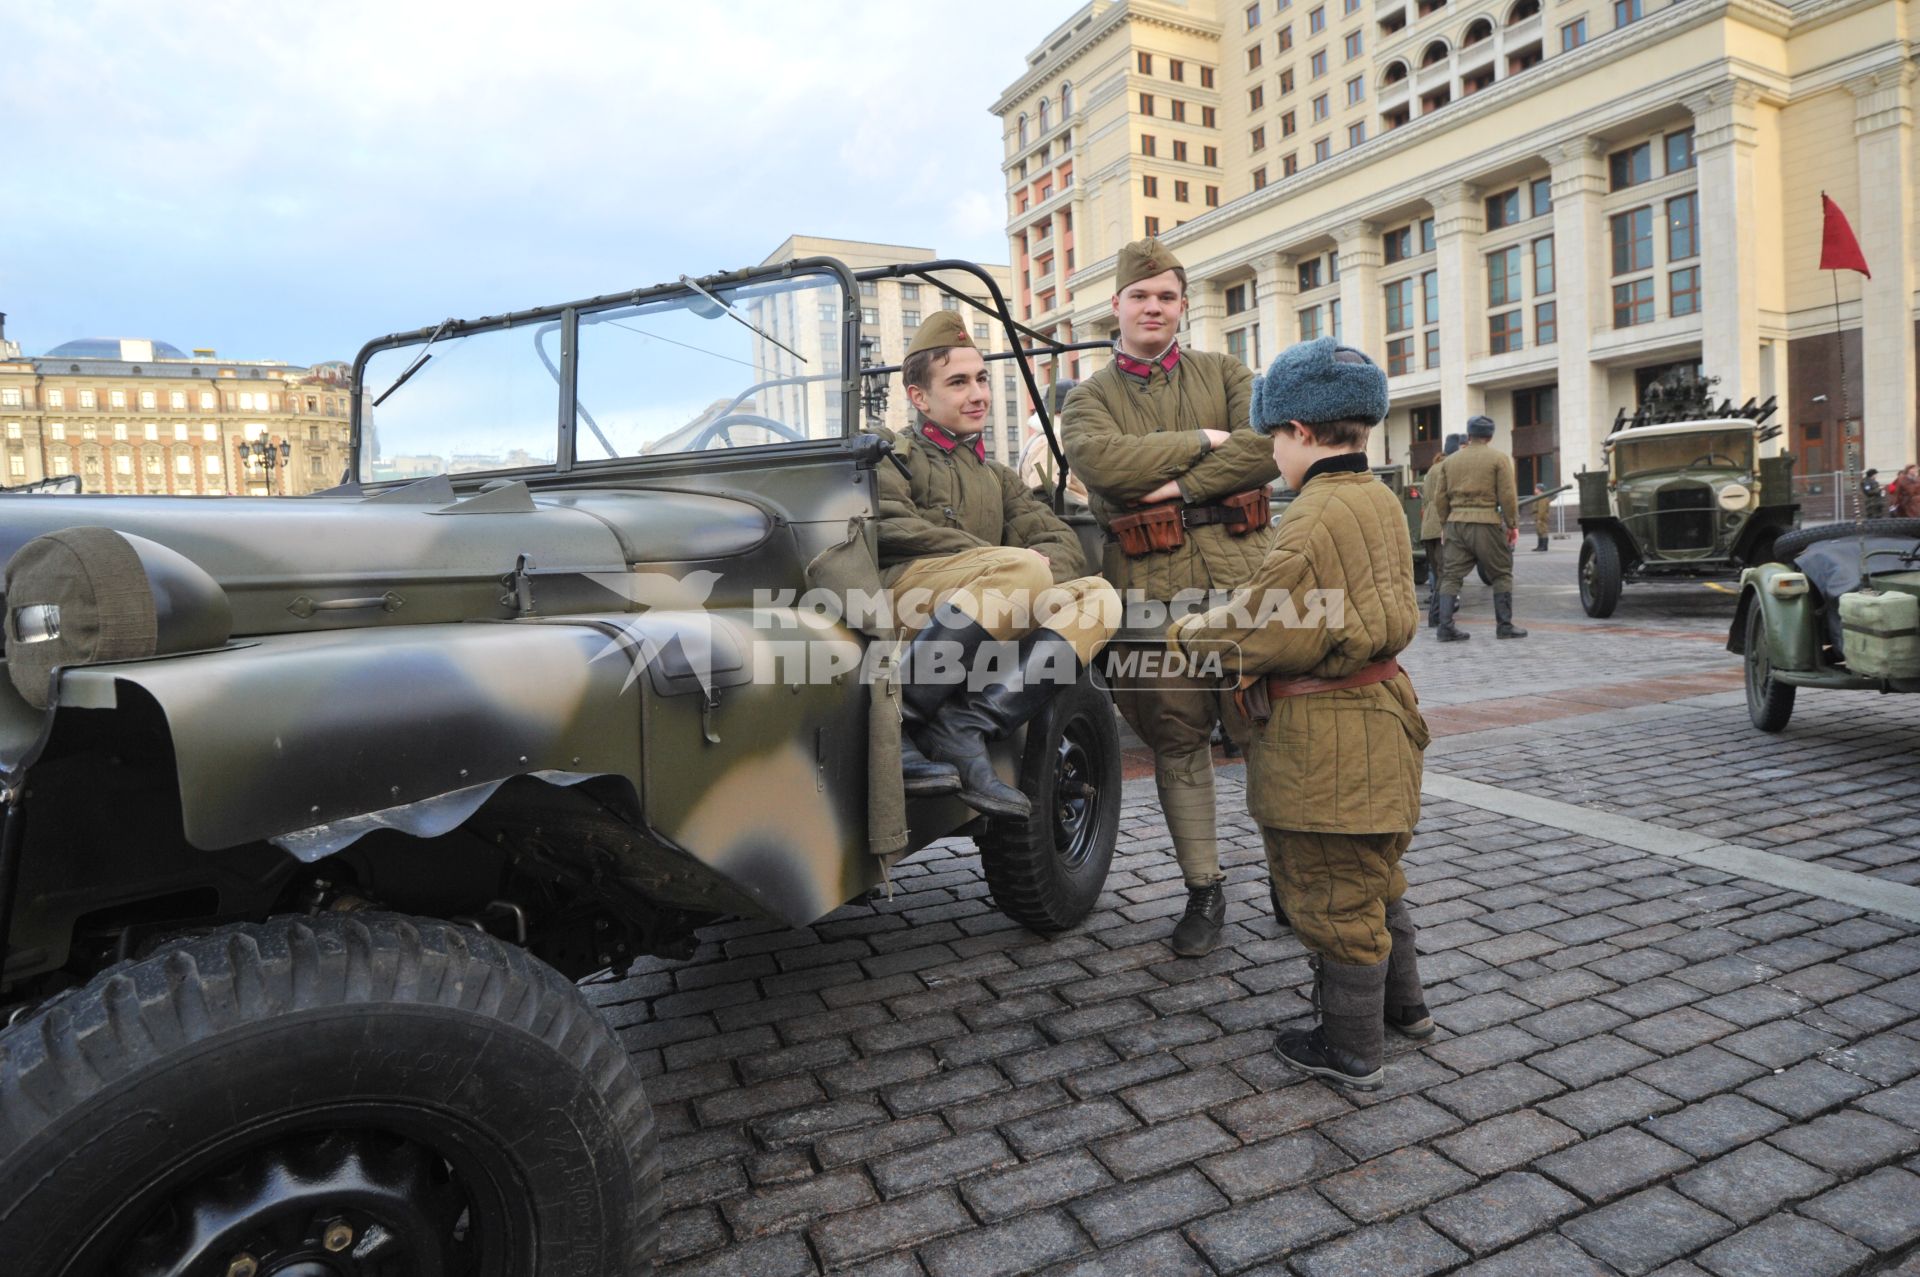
(1542, 511)
(1430, 490)
(1903, 494)
(1873, 498)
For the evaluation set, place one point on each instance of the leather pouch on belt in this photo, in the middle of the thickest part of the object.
(1256, 504)
(1154, 529)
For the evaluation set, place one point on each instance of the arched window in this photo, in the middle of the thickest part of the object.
(1066, 99)
(1434, 53)
(1046, 114)
(1023, 128)
(1479, 30)
(1396, 71)
(1522, 11)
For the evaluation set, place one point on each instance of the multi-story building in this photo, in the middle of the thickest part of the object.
(139, 416)
(1537, 213)
(891, 310)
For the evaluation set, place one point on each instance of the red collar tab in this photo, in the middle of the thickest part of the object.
(1144, 367)
(947, 443)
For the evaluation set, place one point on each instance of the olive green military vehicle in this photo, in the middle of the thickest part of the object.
(316, 807)
(1840, 609)
(1688, 498)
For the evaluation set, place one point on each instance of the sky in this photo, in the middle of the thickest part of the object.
(281, 181)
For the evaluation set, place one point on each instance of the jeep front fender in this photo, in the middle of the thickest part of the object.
(1786, 619)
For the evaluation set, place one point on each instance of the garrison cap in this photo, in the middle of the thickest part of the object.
(1143, 259)
(1454, 443)
(941, 329)
(1479, 427)
(1318, 381)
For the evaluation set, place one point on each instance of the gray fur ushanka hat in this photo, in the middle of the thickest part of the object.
(1318, 381)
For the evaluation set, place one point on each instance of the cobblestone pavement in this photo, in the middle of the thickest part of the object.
(1645, 1064)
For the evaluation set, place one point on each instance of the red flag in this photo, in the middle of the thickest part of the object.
(1839, 250)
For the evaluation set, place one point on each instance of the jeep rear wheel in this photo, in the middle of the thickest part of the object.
(365, 1094)
(1599, 575)
(1769, 703)
(1046, 871)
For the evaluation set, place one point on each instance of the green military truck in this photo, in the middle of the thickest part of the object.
(1678, 499)
(315, 808)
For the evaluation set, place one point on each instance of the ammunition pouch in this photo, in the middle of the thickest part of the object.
(1162, 528)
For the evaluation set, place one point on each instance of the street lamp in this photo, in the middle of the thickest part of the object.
(873, 390)
(267, 455)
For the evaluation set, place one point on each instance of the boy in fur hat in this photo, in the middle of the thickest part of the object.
(970, 556)
(1333, 774)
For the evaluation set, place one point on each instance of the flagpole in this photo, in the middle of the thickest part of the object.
(1846, 408)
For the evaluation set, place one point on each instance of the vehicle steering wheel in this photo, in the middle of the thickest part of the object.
(1710, 458)
(721, 426)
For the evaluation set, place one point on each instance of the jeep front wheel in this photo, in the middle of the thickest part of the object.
(1046, 871)
(364, 1094)
(1599, 575)
(1769, 702)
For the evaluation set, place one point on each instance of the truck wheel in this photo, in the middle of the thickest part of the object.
(1791, 543)
(1769, 703)
(1599, 575)
(1046, 871)
(366, 1093)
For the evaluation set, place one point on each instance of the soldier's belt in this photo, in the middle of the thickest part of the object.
(1160, 528)
(1257, 694)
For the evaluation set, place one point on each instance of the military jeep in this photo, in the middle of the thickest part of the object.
(1682, 499)
(316, 807)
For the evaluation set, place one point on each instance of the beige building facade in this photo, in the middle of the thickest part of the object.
(134, 416)
(1537, 209)
(891, 312)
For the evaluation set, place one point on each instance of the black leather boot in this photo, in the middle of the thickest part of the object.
(962, 726)
(1279, 910)
(1503, 617)
(933, 665)
(1541, 547)
(1199, 928)
(1447, 632)
(1348, 1047)
(1406, 1000)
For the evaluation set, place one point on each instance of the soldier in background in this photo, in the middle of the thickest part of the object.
(1479, 508)
(1161, 437)
(1542, 512)
(1430, 488)
(1873, 498)
(1036, 465)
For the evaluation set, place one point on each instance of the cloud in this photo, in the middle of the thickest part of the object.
(284, 181)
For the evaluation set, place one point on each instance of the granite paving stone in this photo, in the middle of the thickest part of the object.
(1640, 1233)
(1881, 1209)
(1397, 1182)
(1404, 1248)
(1715, 1125)
(1550, 1256)
(1501, 1211)
(1508, 1141)
(1618, 1162)
(1784, 1246)
(1752, 1182)
(1847, 1142)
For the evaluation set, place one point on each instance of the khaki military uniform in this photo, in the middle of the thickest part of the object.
(960, 528)
(1478, 503)
(1543, 516)
(1430, 526)
(1333, 777)
(1126, 434)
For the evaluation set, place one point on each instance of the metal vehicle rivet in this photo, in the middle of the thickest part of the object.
(395, 791)
(315, 809)
(242, 1265)
(338, 1237)
(463, 773)
(576, 760)
(523, 760)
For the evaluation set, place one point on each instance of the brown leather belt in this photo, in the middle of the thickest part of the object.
(1256, 698)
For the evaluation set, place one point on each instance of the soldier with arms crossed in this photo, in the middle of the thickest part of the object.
(1179, 482)
(970, 556)
(1333, 771)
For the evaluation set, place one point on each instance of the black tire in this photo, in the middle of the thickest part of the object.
(1769, 703)
(361, 1069)
(1046, 871)
(1600, 575)
(1791, 543)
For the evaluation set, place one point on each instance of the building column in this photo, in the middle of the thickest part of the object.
(1725, 138)
(1581, 300)
(1206, 307)
(1884, 214)
(1458, 219)
(1362, 324)
(1279, 284)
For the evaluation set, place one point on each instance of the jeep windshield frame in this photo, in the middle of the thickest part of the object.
(573, 421)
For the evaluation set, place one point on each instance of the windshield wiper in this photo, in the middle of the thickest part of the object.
(742, 319)
(418, 363)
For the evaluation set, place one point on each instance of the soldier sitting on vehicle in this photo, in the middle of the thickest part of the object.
(970, 556)
(1333, 774)
(1479, 510)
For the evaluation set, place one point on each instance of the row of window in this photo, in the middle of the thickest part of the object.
(1316, 17)
(1150, 146)
(1176, 69)
(1182, 191)
(1177, 111)
(149, 400)
(179, 432)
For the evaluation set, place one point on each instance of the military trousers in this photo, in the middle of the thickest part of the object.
(1174, 716)
(1336, 888)
(1471, 544)
(1010, 592)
